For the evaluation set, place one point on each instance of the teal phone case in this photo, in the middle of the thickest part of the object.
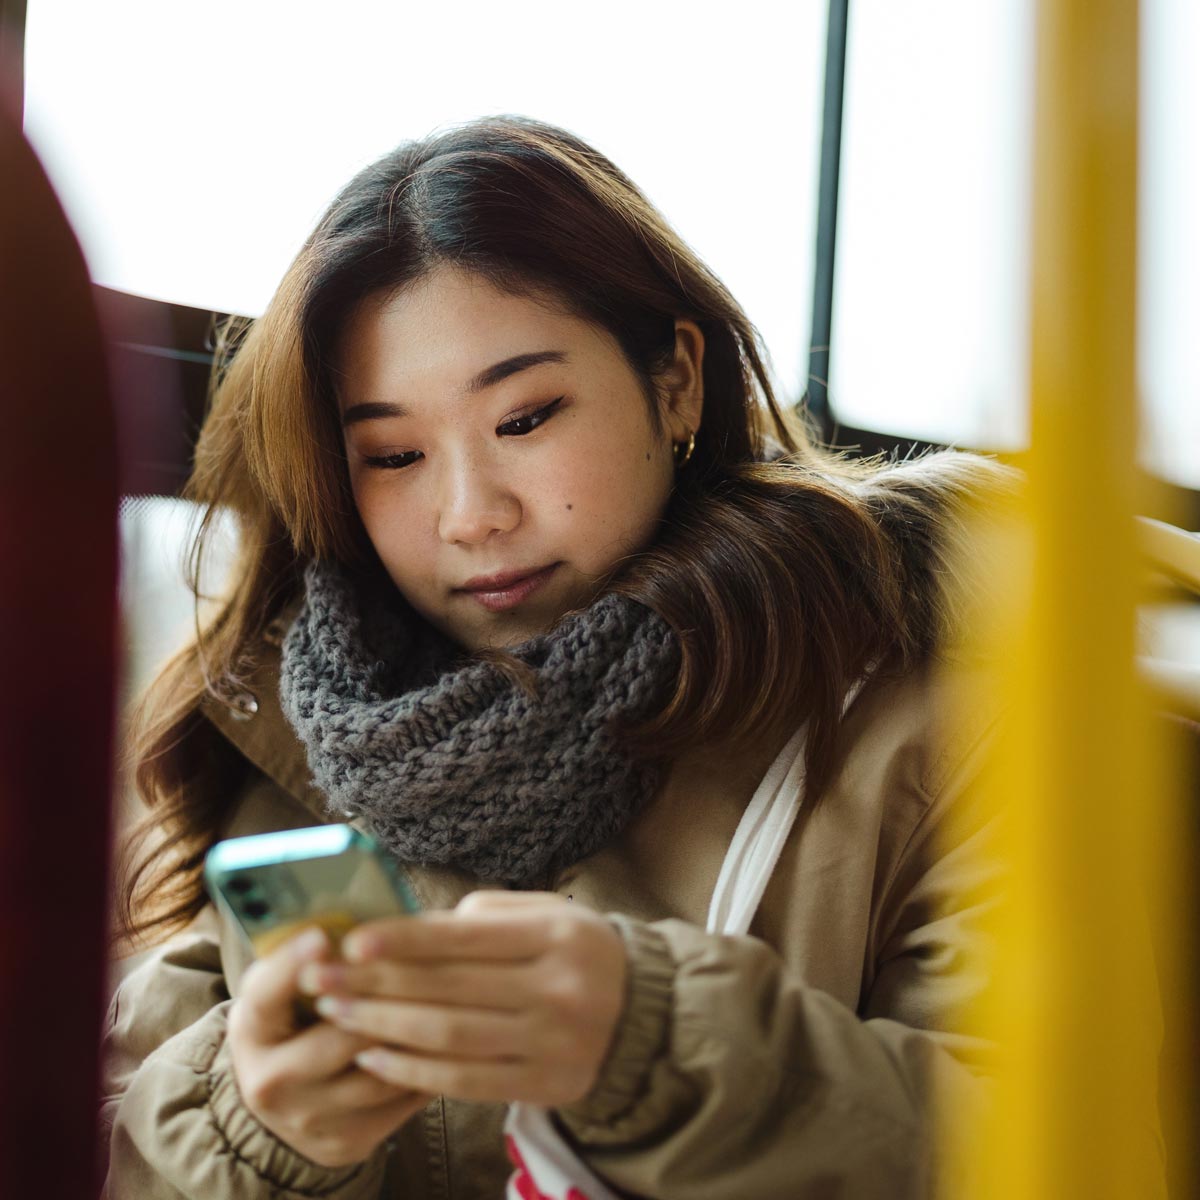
(272, 885)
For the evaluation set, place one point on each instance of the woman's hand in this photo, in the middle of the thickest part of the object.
(512, 996)
(303, 1084)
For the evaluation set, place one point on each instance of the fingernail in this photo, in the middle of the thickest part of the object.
(356, 948)
(371, 1060)
(309, 979)
(318, 977)
(308, 943)
(333, 1007)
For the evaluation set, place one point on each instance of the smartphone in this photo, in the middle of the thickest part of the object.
(273, 885)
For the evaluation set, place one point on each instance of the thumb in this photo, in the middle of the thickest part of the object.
(270, 987)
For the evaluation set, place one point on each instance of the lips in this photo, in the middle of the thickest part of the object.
(507, 589)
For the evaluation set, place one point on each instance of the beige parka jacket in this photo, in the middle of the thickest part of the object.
(830, 1053)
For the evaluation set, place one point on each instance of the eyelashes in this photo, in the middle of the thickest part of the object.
(519, 426)
(392, 462)
(516, 427)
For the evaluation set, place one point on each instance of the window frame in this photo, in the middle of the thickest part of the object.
(176, 357)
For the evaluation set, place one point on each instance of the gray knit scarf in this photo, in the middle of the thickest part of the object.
(449, 760)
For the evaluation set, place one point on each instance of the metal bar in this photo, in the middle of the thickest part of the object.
(817, 392)
(1075, 1002)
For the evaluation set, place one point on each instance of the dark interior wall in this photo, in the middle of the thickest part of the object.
(161, 357)
(12, 58)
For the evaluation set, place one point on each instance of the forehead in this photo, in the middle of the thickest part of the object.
(440, 332)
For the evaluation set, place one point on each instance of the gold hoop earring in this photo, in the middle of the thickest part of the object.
(683, 451)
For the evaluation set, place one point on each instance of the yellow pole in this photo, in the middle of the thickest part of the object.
(1074, 999)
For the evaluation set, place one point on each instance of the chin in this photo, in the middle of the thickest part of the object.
(507, 636)
(508, 631)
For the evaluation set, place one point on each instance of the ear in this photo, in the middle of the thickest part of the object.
(681, 385)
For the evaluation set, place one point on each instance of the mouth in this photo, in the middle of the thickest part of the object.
(498, 593)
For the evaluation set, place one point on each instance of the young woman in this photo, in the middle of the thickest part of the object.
(540, 584)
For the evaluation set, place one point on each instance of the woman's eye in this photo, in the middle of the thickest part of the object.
(528, 423)
(392, 462)
(517, 427)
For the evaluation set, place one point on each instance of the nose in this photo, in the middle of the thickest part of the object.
(476, 502)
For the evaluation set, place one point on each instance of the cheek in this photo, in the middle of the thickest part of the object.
(390, 528)
(610, 494)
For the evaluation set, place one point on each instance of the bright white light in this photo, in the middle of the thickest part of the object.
(195, 145)
(931, 331)
(1169, 239)
(929, 336)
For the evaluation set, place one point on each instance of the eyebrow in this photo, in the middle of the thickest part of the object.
(489, 377)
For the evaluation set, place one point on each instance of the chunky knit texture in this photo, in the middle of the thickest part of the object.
(446, 758)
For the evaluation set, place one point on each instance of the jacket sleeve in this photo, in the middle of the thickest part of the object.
(730, 1077)
(173, 1125)
(733, 1078)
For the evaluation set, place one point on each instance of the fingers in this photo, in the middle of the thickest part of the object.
(265, 1009)
(490, 985)
(431, 1029)
(500, 934)
(486, 901)
(306, 1087)
(465, 1081)
(510, 997)
(544, 1084)
(321, 1052)
(285, 1075)
(303, 1085)
(358, 1090)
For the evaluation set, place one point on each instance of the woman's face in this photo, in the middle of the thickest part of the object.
(501, 452)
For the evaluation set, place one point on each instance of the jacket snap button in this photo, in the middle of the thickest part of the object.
(244, 705)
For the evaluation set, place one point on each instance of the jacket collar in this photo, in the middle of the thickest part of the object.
(253, 721)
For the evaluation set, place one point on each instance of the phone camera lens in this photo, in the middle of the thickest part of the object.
(240, 884)
(256, 909)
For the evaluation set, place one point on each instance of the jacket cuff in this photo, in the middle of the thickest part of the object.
(641, 1034)
(251, 1142)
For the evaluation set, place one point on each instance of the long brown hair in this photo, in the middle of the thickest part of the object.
(784, 580)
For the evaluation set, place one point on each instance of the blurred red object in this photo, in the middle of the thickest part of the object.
(58, 558)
